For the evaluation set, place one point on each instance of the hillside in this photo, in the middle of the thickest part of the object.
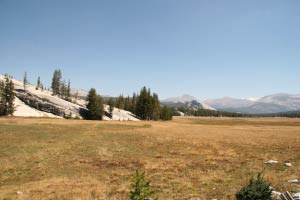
(37, 103)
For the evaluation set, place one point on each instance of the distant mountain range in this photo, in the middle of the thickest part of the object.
(228, 102)
(275, 103)
(186, 101)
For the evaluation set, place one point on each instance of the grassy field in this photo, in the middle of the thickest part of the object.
(188, 157)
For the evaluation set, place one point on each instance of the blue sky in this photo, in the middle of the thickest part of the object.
(206, 48)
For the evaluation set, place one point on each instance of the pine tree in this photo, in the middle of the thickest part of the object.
(155, 107)
(140, 187)
(25, 81)
(149, 105)
(100, 107)
(132, 107)
(142, 104)
(11, 98)
(38, 84)
(95, 105)
(256, 189)
(127, 103)
(166, 113)
(111, 104)
(7, 97)
(120, 102)
(68, 91)
(56, 81)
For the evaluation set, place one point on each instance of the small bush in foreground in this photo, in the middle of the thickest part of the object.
(140, 187)
(258, 189)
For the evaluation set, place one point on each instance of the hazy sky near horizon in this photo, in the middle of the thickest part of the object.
(205, 48)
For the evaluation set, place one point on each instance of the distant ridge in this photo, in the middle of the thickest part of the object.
(186, 100)
(276, 103)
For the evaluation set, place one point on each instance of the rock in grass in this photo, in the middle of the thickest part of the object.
(271, 162)
(276, 194)
(294, 181)
(296, 196)
(288, 164)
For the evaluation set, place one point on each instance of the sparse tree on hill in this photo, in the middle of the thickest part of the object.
(38, 84)
(25, 81)
(56, 81)
(68, 91)
(95, 105)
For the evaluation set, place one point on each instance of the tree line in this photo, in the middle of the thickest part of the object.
(145, 105)
(7, 97)
(207, 113)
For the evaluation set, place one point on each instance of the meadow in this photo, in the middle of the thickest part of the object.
(204, 158)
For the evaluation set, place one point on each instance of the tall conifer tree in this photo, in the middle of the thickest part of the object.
(68, 91)
(56, 81)
(25, 81)
(120, 102)
(38, 84)
(95, 105)
(7, 97)
(142, 104)
(11, 98)
(155, 107)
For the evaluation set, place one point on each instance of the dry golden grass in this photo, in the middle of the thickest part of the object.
(187, 157)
